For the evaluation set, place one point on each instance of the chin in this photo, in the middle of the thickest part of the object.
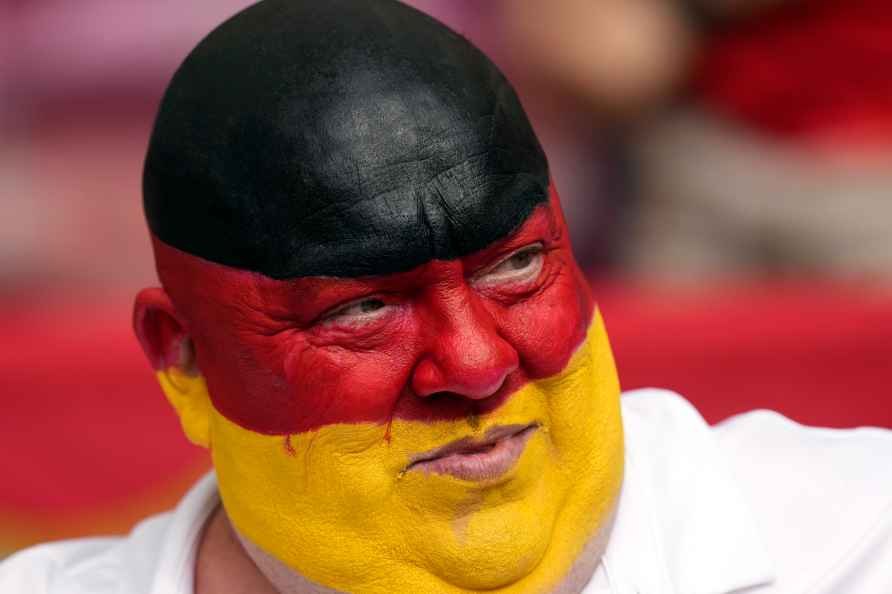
(497, 547)
(485, 536)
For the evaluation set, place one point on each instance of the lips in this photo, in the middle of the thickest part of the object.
(477, 459)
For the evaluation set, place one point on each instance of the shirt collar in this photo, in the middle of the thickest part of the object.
(682, 525)
(175, 573)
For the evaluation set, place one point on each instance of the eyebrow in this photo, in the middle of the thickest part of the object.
(541, 217)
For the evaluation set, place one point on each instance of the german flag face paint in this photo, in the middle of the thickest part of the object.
(370, 312)
(451, 428)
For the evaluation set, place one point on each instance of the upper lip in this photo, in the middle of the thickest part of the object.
(470, 444)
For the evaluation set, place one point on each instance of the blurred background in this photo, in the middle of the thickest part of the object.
(725, 166)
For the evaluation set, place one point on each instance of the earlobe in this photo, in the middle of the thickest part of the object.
(189, 396)
(169, 349)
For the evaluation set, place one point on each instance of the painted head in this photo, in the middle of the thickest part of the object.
(370, 311)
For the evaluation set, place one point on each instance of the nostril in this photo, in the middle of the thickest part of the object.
(444, 396)
(427, 379)
(430, 381)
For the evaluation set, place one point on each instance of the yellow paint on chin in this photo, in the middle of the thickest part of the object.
(341, 510)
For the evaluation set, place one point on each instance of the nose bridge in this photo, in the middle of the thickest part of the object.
(465, 353)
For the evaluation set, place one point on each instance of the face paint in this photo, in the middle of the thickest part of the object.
(278, 362)
(338, 138)
(344, 511)
(322, 392)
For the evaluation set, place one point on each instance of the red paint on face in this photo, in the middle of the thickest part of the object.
(436, 342)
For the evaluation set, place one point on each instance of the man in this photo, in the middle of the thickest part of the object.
(371, 317)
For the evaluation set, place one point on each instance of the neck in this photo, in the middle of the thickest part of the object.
(228, 563)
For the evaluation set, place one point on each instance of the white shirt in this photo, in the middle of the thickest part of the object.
(757, 504)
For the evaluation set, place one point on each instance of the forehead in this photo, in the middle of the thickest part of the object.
(444, 181)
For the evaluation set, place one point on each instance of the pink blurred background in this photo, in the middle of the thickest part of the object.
(725, 167)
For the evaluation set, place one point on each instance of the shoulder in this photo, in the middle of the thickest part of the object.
(797, 466)
(157, 557)
(770, 450)
(822, 498)
(89, 565)
(768, 433)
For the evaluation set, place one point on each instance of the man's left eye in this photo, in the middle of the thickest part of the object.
(522, 266)
(358, 312)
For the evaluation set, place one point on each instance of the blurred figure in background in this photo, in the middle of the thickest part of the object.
(761, 131)
(79, 84)
(782, 163)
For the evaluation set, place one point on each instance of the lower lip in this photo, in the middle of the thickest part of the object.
(482, 465)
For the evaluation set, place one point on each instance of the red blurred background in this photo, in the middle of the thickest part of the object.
(725, 167)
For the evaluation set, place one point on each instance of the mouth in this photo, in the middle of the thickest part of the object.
(477, 459)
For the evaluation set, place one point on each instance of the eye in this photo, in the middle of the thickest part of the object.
(521, 266)
(357, 312)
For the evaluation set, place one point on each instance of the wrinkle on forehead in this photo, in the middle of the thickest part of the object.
(411, 175)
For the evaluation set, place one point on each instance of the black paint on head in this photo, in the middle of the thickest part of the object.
(338, 138)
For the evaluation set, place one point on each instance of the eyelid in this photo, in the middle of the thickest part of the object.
(337, 310)
(536, 247)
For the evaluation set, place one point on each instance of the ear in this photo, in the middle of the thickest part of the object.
(170, 351)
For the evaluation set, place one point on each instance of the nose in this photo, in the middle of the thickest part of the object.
(465, 353)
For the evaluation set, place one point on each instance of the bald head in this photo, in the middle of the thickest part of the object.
(338, 138)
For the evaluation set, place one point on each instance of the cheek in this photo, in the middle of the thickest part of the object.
(283, 384)
(337, 385)
(246, 377)
(548, 328)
